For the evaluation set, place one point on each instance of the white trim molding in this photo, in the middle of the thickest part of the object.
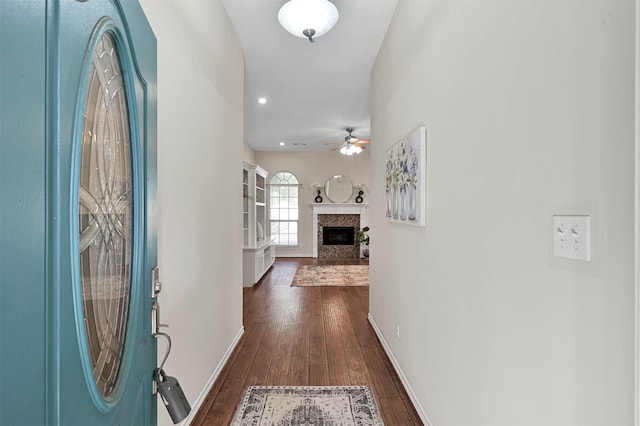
(405, 382)
(214, 376)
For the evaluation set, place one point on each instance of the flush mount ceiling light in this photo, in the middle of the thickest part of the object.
(308, 18)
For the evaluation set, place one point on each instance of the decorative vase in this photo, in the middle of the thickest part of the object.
(365, 251)
(412, 201)
(403, 202)
(396, 202)
(389, 202)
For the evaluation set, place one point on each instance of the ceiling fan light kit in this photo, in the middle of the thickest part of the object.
(308, 18)
(351, 144)
(350, 149)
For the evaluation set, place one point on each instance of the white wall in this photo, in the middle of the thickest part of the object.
(529, 108)
(248, 154)
(309, 168)
(200, 128)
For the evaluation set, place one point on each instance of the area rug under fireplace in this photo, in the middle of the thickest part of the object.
(308, 405)
(331, 275)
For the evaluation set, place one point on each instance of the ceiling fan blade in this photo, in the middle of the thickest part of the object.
(348, 140)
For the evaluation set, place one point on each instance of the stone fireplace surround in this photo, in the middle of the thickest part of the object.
(338, 251)
(325, 211)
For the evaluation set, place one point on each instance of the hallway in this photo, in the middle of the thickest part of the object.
(306, 336)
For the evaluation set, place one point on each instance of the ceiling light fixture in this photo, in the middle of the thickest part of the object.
(350, 149)
(262, 101)
(308, 18)
(281, 143)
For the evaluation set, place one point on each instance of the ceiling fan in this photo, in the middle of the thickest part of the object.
(351, 144)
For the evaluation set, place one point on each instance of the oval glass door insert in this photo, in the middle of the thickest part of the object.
(106, 215)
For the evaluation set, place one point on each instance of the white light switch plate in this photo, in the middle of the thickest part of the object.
(572, 237)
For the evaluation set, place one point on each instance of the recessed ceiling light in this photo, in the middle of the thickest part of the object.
(281, 143)
(262, 101)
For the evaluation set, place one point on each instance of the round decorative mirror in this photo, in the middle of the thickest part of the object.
(339, 189)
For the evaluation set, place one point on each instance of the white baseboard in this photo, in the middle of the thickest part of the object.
(407, 386)
(214, 376)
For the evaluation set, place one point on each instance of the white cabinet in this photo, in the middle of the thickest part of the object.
(257, 260)
(259, 247)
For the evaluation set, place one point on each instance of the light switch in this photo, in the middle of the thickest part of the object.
(572, 237)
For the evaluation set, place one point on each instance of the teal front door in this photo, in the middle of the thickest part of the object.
(78, 190)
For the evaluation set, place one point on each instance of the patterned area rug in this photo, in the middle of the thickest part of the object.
(331, 275)
(308, 405)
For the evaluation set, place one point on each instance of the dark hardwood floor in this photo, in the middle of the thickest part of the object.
(297, 336)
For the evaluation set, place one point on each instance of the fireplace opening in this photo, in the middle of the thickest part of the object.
(338, 235)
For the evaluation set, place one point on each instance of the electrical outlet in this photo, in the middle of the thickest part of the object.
(572, 237)
(397, 331)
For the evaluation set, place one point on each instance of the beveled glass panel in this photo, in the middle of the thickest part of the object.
(106, 215)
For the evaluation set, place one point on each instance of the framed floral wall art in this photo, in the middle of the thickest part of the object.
(405, 183)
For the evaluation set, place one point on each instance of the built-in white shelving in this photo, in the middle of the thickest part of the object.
(245, 205)
(259, 246)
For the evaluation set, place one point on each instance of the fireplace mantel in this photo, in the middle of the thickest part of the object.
(335, 208)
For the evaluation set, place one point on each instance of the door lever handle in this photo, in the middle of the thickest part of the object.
(155, 329)
(155, 332)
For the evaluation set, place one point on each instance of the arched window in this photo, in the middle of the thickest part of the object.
(283, 208)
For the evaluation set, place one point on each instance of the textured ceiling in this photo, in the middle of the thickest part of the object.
(313, 90)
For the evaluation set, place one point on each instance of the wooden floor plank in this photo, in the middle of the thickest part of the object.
(299, 365)
(257, 371)
(393, 408)
(297, 336)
